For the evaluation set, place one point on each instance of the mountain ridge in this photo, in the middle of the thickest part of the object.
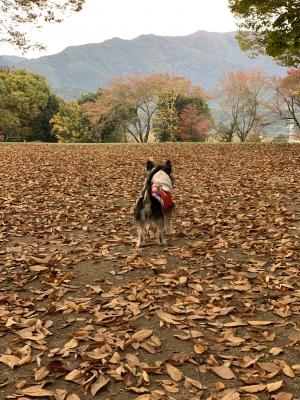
(201, 56)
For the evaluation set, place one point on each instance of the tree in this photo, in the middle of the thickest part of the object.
(15, 15)
(134, 101)
(270, 27)
(287, 97)
(241, 97)
(71, 125)
(23, 96)
(128, 103)
(195, 119)
(192, 126)
(104, 120)
(167, 118)
(42, 127)
(225, 132)
(175, 94)
(89, 97)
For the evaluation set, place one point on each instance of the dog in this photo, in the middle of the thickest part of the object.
(155, 206)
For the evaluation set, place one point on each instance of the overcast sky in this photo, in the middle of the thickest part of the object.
(104, 19)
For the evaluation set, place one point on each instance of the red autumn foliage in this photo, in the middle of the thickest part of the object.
(193, 126)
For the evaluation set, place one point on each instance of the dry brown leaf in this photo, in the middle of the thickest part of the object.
(231, 394)
(36, 391)
(253, 388)
(169, 318)
(276, 350)
(74, 375)
(71, 344)
(287, 370)
(38, 268)
(73, 396)
(282, 396)
(98, 384)
(260, 323)
(21, 383)
(224, 372)
(272, 387)
(41, 373)
(193, 382)
(60, 394)
(200, 348)
(141, 335)
(138, 389)
(174, 372)
(9, 360)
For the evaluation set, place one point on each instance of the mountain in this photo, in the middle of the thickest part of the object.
(8, 61)
(202, 57)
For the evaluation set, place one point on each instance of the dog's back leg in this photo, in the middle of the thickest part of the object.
(168, 217)
(160, 232)
(141, 236)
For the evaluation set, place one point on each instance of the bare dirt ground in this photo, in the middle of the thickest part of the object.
(84, 314)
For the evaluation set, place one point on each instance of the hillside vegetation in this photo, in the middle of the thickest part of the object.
(203, 57)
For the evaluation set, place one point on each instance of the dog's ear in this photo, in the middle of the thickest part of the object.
(149, 165)
(168, 167)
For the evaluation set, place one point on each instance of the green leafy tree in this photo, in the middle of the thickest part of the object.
(182, 115)
(225, 132)
(15, 15)
(23, 96)
(270, 27)
(175, 94)
(70, 124)
(42, 127)
(89, 97)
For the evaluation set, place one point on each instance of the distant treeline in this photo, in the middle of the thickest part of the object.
(159, 107)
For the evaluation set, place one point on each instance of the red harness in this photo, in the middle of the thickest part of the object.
(164, 196)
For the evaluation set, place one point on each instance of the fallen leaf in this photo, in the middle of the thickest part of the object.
(223, 372)
(36, 391)
(174, 372)
(253, 388)
(98, 384)
(272, 387)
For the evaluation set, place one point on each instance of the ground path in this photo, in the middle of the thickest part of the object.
(84, 314)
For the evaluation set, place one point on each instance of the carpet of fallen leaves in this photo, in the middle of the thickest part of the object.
(84, 314)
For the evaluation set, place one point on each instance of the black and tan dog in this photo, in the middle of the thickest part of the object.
(155, 206)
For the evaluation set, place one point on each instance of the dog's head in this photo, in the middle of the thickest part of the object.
(166, 167)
